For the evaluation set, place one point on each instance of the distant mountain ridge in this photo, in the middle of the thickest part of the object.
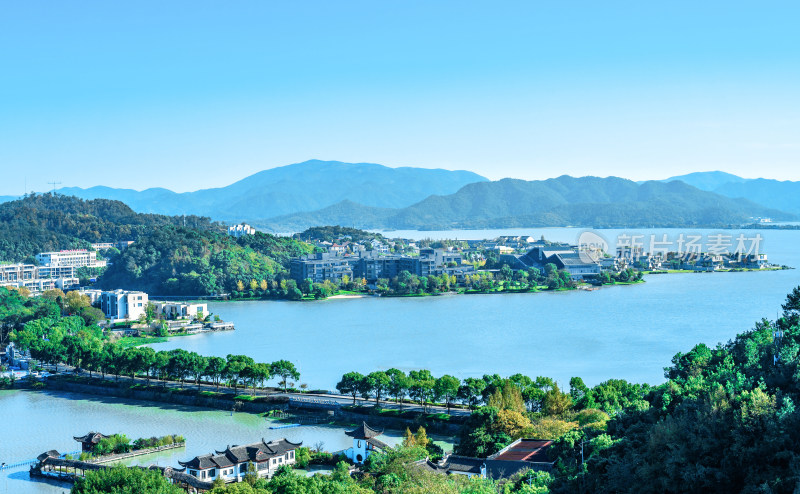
(563, 201)
(305, 186)
(783, 195)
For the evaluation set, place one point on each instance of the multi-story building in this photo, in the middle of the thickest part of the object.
(35, 279)
(12, 273)
(179, 310)
(371, 266)
(241, 230)
(121, 304)
(78, 258)
(322, 266)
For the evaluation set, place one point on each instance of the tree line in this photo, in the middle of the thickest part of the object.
(53, 337)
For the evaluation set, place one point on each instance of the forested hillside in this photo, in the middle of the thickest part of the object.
(305, 186)
(40, 223)
(564, 201)
(725, 421)
(183, 261)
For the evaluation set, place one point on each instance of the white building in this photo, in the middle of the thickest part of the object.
(364, 443)
(35, 278)
(107, 245)
(121, 304)
(231, 465)
(12, 273)
(79, 258)
(241, 230)
(180, 310)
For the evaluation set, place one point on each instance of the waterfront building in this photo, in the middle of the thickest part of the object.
(180, 310)
(578, 264)
(322, 266)
(241, 230)
(231, 465)
(89, 441)
(372, 266)
(121, 304)
(364, 443)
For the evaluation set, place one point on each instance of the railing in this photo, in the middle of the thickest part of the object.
(314, 402)
(7, 466)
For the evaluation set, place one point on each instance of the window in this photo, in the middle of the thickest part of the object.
(213, 472)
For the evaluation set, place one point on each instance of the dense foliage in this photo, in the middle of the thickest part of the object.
(41, 223)
(123, 480)
(44, 327)
(337, 234)
(725, 421)
(182, 261)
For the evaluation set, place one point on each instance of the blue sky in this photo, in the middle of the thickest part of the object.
(189, 95)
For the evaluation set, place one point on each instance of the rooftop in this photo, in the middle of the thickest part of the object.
(364, 432)
(531, 450)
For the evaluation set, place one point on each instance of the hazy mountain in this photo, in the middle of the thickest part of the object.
(783, 195)
(707, 180)
(306, 186)
(562, 201)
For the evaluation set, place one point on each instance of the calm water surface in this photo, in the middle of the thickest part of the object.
(628, 332)
(34, 422)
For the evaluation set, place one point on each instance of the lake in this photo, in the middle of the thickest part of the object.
(628, 332)
(34, 422)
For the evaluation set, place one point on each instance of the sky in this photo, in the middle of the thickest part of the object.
(194, 94)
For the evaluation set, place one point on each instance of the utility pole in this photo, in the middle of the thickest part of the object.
(54, 186)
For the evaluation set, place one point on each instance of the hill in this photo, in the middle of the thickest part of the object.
(40, 223)
(563, 201)
(184, 261)
(782, 195)
(306, 186)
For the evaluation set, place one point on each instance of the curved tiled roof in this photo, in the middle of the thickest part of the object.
(257, 452)
(91, 437)
(364, 432)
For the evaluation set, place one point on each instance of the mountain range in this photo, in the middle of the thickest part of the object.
(783, 195)
(288, 189)
(366, 195)
(563, 201)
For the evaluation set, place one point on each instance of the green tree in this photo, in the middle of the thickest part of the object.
(123, 480)
(351, 384)
(398, 384)
(447, 387)
(378, 383)
(285, 370)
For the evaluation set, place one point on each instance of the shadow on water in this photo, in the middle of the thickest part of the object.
(113, 400)
(23, 475)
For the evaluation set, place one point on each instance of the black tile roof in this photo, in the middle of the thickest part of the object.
(364, 432)
(257, 452)
(91, 437)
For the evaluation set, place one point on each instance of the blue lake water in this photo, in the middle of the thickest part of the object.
(628, 332)
(34, 422)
